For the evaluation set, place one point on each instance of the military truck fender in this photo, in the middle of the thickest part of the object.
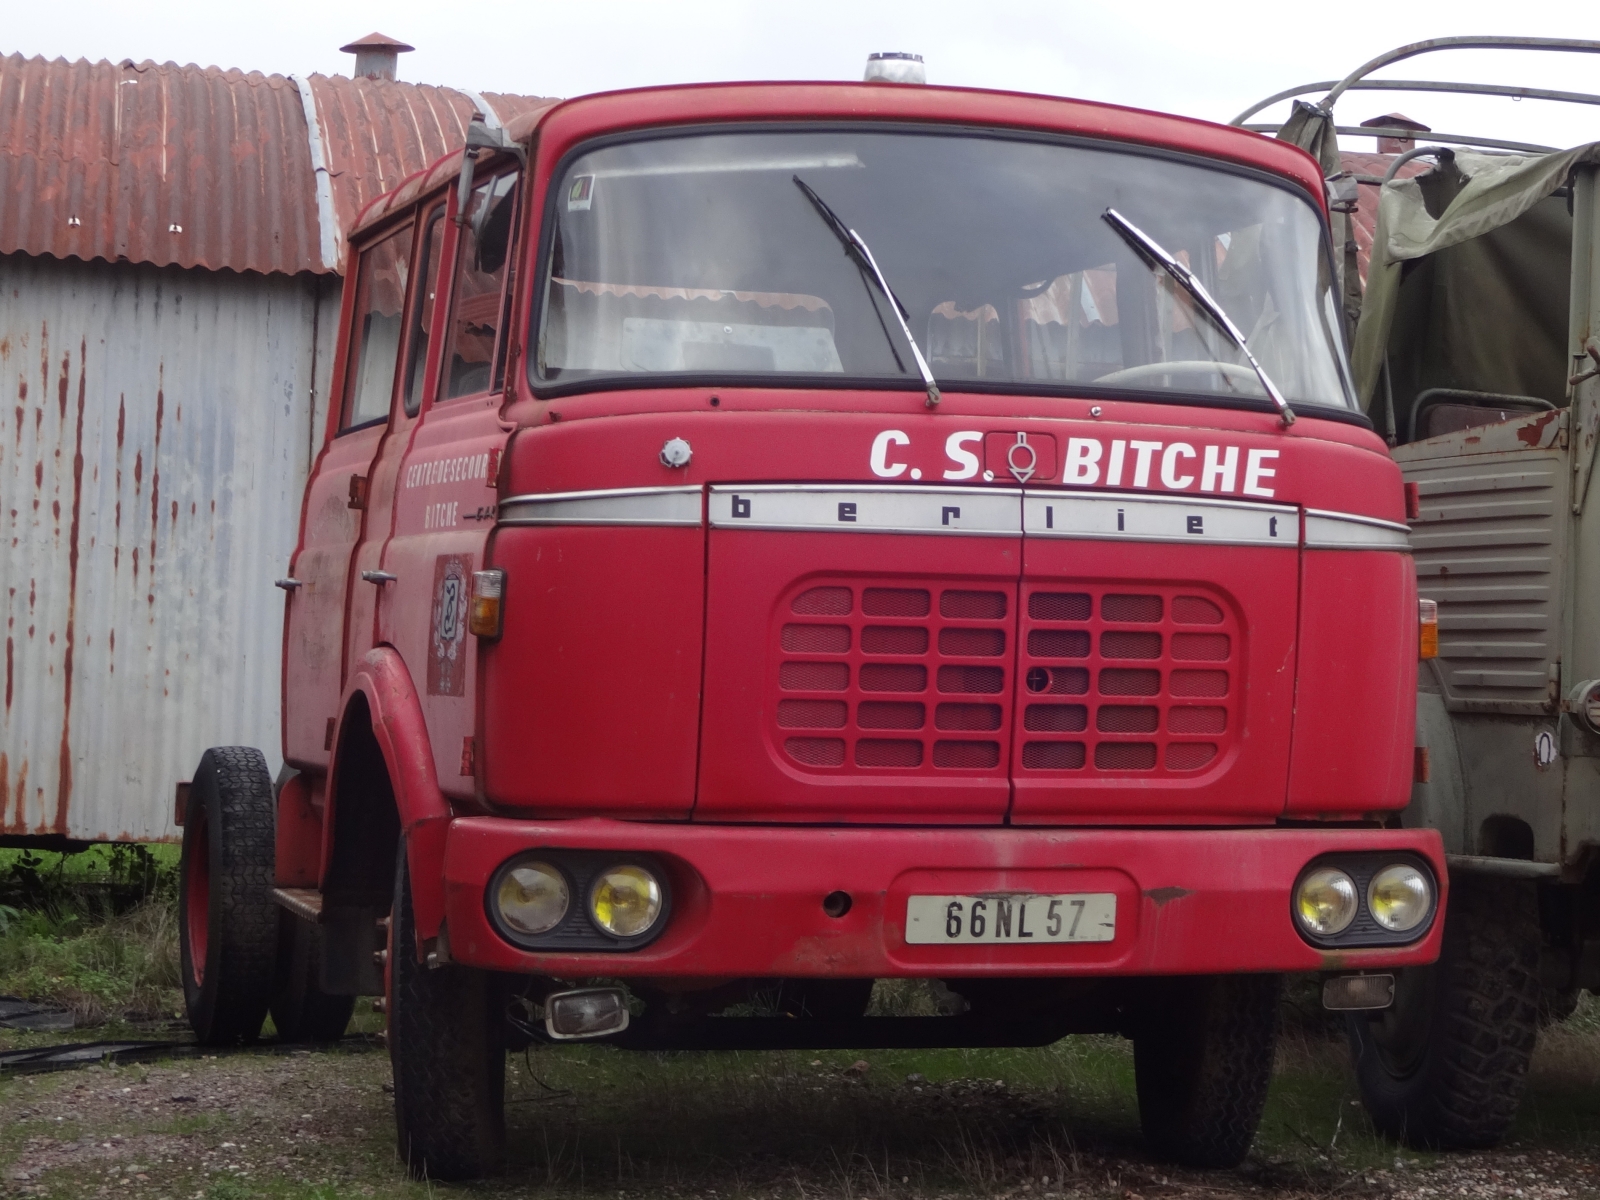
(382, 725)
(1438, 794)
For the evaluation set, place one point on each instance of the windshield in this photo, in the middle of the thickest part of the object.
(697, 256)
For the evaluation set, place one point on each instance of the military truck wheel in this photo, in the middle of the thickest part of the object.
(227, 921)
(447, 1048)
(1443, 1068)
(1202, 1060)
(301, 1010)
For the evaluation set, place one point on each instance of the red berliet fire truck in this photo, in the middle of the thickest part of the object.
(771, 538)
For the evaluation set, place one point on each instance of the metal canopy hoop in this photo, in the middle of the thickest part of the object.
(1357, 81)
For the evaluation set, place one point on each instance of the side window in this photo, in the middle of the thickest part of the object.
(375, 345)
(422, 320)
(482, 253)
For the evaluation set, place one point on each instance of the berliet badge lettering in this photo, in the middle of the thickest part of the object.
(997, 512)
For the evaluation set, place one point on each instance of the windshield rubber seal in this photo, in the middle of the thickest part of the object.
(620, 382)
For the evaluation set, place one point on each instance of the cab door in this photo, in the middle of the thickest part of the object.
(373, 586)
(444, 494)
(334, 509)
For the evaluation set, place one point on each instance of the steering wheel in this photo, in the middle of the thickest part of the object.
(1183, 366)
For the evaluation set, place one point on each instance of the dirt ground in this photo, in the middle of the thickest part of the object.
(591, 1121)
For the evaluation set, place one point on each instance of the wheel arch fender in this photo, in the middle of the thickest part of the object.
(381, 702)
(1439, 801)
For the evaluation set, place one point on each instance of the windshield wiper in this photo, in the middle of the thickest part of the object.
(1152, 250)
(857, 249)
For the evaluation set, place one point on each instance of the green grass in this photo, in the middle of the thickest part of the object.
(94, 931)
(589, 1119)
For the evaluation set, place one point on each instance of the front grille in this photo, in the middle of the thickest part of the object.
(921, 678)
(1156, 671)
(913, 678)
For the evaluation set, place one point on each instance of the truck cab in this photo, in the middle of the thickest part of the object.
(776, 537)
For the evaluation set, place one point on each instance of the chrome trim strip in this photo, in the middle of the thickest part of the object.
(1124, 517)
(613, 506)
(842, 508)
(1347, 531)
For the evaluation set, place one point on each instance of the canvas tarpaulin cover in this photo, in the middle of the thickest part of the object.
(1468, 286)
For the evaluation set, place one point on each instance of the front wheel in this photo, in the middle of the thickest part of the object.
(1202, 1060)
(1444, 1066)
(227, 921)
(447, 1048)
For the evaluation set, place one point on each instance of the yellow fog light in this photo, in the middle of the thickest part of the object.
(1325, 902)
(532, 898)
(625, 900)
(1399, 897)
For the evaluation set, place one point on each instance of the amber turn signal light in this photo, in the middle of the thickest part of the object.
(488, 591)
(1427, 629)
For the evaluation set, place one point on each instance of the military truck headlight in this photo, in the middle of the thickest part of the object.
(1325, 901)
(1584, 701)
(532, 898)
(1399, 897)
(625, 900)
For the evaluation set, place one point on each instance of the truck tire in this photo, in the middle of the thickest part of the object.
(227, 921)
(1202, 1061)
(301, 1010)
(447, 1049)
(1443, 1068)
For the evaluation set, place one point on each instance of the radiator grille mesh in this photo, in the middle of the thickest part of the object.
(920, 678)
(1156, 670)
(915, 677)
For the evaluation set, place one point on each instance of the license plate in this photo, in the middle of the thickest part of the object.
(1018, 918)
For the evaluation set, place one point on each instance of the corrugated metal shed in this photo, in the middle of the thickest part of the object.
(170, 242)
(151, 466)
(201, 167)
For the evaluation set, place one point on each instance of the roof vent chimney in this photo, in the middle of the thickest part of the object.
(1396, 145)
(895, 67)
(377, 56)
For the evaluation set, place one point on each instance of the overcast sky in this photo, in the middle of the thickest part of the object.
(1205, 58)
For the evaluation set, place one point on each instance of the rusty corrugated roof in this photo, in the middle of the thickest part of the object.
(201, 167)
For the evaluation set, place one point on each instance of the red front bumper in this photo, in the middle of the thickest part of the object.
(747, 900)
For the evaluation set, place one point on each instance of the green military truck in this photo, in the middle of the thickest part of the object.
(1472, 298)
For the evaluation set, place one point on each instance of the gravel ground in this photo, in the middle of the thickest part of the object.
(318, 1125)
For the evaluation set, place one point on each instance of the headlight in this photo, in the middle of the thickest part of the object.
(1399, 897)
(625, 900)
(532, 898)
(1325, 902)
(1585, 703)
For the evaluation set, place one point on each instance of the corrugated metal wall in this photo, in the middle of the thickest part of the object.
(150, 480)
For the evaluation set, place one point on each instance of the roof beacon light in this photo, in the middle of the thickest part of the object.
(892, 66)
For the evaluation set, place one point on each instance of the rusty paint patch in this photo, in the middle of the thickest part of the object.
(64, 781)
(1531, 434)
(1166, 895)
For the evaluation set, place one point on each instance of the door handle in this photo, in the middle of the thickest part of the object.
(379, 577)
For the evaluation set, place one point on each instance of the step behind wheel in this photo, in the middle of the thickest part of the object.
(301, 1010)
(1202, 1060)
(447, 1048)
(1443, 1068)
(227, 921)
